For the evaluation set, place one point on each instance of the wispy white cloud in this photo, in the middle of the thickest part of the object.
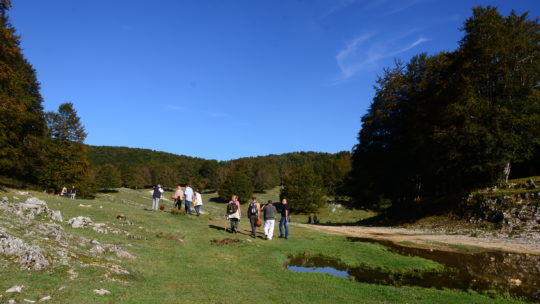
(345, 57)
(338, 6)
(399, 6)
(367, 51)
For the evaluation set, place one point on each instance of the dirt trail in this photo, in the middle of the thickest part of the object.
(422, 239)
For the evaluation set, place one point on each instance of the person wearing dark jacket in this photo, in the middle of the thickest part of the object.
(269, 219)
(254, 212)
(156, 196)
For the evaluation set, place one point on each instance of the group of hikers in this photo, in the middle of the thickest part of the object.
(186, 195)
(190, 198)
(72, 192)
(234, 213)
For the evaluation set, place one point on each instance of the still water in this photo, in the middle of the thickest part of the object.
(514, 273)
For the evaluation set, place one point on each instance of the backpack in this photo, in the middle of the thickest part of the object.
(252, 209)
(232, 208)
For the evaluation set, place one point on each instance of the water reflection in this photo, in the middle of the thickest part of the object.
(514, 273)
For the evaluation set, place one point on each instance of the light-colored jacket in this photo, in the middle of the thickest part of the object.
(237, 213)
(198, 199)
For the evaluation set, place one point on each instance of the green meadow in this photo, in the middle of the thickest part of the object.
(177, 262)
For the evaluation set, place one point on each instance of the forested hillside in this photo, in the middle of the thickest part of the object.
(137, 168)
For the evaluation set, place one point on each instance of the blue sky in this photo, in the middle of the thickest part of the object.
(226, 79)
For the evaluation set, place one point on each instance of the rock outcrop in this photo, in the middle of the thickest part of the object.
(514, 215)
(80, 222)
(29, 256)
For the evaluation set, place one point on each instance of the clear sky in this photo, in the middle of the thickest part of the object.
(225, 79)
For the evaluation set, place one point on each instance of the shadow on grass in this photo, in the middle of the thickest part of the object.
(219, 228)
(409, 212)
(107, 191)
(218, 200)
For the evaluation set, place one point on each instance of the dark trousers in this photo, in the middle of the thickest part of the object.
(234, 225)
(178, 204)
(252, 220)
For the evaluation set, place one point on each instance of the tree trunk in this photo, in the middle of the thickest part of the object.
(506, 172)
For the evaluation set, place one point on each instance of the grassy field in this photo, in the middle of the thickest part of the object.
(176, 261)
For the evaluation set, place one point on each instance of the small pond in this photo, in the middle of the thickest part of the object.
(514, 273)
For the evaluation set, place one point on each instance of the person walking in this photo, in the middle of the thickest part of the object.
(179, 196)
(254, 212)
(284, 220)
(197, 202)
(73, 192)
(188, 194)
(269, 219)
(156, 197)
(63, 193)
(234, 213)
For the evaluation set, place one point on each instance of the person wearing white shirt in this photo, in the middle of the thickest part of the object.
(198, 202)
(188, 194)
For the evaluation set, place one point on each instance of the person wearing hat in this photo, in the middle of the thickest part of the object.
(254, 212)
(156, 196)
(269, 219)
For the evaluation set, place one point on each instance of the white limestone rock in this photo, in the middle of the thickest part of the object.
(80, 222)
(102, 291)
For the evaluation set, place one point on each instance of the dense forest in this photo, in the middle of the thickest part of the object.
(454, 121)
(438, 124)
(136, 168)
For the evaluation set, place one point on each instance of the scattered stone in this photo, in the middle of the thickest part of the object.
(514, 282)
(55, 215)
(121, 217)
(46, 298)
(531, 184)
(119, 251)
(16, 198)
(80, 222)
(97, 250)
(102, 291)
(72, 274)
(22, 193)
(29, 301)
(85, 206)
(118, 269)
(61, 288)
(100, 228)
(11, 301)
(16, 288)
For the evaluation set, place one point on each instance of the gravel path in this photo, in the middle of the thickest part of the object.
(423, 239)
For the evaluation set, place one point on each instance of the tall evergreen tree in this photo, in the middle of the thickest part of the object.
(22, 125)
(237, 183)
(304, 190)
(65, 156)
